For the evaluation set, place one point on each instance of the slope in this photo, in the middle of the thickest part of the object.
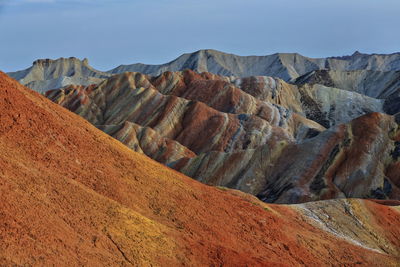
(73, 196)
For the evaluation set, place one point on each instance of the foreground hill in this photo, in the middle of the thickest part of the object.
(72, 195)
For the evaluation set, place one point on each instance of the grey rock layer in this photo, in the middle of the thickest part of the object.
(47, 74)
(286, 66)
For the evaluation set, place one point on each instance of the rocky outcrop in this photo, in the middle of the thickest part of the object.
(345, 161)
(376, 84)
(47, 74)
(384, 85)
(327, 106)
(67, 186)
(356, 160)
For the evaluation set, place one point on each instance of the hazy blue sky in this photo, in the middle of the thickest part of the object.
(113, 32)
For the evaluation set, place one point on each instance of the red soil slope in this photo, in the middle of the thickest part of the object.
(71, 195)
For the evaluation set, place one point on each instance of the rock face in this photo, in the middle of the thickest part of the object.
(350, 160)
(257, 134)
(327, 106)
(67, 186)
(345, 161)
(383, 85)
(376, 84)
(47, 74)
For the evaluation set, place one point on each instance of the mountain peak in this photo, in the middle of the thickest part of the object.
(48, 61)
(357, 53)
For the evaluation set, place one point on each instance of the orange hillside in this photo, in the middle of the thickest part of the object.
(71, 195)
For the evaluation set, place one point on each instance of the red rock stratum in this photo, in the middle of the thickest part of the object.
(71, 195)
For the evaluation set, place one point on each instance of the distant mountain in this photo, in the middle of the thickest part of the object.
(46, 74)
(50, 74)
(286, 66)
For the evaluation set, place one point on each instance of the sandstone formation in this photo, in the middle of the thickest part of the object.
(47, 74)
(119, 100)
(257, 134)
(147, 141)
(351, 160)
(71, 195)
(327, 106)
(383, 85)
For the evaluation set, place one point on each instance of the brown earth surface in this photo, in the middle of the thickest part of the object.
(71, 195)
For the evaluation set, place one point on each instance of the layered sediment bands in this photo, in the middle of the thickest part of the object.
(67, 186)
(327, 106)
(272, 90)
(221, 94)
(246, 170)
(217, 93)
(147, 141)
(120, 99)
(344, 161)
(178, 120)
(359, 159)
(334, 218)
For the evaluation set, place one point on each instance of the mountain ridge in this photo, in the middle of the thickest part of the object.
(287, 66)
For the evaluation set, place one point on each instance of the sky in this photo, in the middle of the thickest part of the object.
(114, 32)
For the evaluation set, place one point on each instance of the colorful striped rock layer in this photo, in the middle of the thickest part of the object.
(257, 134)
(71, 195)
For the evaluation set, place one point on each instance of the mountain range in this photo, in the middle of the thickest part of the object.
(286, 66)
(318, 129)
(212, 159)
